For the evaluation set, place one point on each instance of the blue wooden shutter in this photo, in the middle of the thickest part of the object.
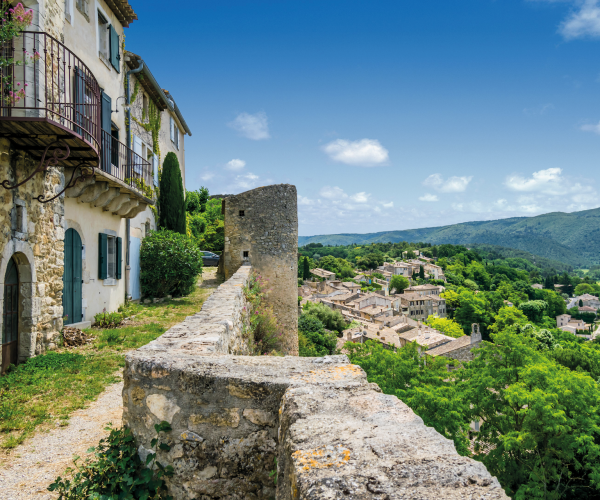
(119, 257)
(77, 278)
(105, 160)
(79, 91)
(114, 49)
(68, 279)
(102, 256)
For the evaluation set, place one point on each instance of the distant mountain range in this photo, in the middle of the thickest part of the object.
(573, 239)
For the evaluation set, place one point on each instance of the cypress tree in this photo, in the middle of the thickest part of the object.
(305, 269)
(171, 201)
(421, 272)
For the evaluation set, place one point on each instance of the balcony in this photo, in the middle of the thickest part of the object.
(49, 99)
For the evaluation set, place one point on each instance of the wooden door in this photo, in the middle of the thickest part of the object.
(10, 317)
(72, 290)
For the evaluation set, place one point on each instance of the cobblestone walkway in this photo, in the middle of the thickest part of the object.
(30, 468)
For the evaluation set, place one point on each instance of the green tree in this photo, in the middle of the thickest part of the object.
(400, 283)
(446, 326)
(332, 320)
(584, 288)
(540, 431)
(195, 201)
(421, 273)
(507, 317)
(171, 203)
(317, 341)
(534, 309)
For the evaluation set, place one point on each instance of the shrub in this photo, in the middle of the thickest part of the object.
(171, 200)
(170, 264)
(332, 320)
(265, 332)
(108, 320)
(117, 471)
(314, 340)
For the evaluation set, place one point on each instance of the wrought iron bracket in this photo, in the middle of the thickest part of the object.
(59, 154)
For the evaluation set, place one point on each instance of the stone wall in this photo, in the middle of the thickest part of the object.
(334, 434)
(32, 233)
(261, 228)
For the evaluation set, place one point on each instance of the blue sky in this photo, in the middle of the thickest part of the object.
(386, 115)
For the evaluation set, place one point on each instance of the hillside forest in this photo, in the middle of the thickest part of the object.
(528, 405)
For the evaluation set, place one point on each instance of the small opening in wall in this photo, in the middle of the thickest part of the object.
(20, 217)
(241, 213)
(246, 254)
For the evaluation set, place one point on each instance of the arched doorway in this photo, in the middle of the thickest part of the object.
(10, 317)
(72, 278)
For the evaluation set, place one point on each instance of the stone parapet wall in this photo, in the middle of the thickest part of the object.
(334, 434)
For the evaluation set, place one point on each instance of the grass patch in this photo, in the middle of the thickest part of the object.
(50, 387)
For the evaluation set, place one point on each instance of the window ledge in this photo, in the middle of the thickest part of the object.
(105, 60)
(110, 282)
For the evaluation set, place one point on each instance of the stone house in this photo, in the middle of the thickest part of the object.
(568, 324)
(322, 274)
(74, 189)
(419, 307)
(537, 286)
(424, 336)
(371, 331)
(461, 348)
(586, 299)
(424, 290)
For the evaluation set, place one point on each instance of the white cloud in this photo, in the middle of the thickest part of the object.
(451, 185)
(591, 128)
(246, 181)
(207, 176)
(547, 181)
(388, 205)
(236, 164)
(361, 197)
(363, 153)
(333, 193)
(253, 127)
(303, 200)
(428, 197)
(582, 22)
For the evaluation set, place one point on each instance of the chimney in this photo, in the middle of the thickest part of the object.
(381, 327)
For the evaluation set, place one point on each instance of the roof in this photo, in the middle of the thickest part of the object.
(123, 11)
(586, 296)
(321, 273)
(458, 343)
(587, 309)
(153, 89)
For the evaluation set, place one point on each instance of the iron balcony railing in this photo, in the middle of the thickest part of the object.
(41, 78)
(123, 163)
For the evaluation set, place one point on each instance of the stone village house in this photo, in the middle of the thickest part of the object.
(69, 245)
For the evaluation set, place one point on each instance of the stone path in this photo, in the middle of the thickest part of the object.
(28, 470)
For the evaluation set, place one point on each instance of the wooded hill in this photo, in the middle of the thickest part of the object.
(570, 238)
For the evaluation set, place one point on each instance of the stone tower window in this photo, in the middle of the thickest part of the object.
(241, 213)
(246, 254)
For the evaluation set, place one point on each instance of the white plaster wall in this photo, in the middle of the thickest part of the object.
(89, 222)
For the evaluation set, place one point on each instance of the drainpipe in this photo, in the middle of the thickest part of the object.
(128, 129)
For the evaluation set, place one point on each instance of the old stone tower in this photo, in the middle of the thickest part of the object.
(261, 229)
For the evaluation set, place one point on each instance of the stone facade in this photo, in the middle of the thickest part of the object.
(261, 228)
(32, 233)
(334, 434)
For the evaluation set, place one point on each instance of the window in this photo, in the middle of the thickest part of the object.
(103, 37)
(82, 7)
(246, 254)
(174, 133)
(144, 107)
(147, 229)
(68, 10)
(241, 213)
(112, 258)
